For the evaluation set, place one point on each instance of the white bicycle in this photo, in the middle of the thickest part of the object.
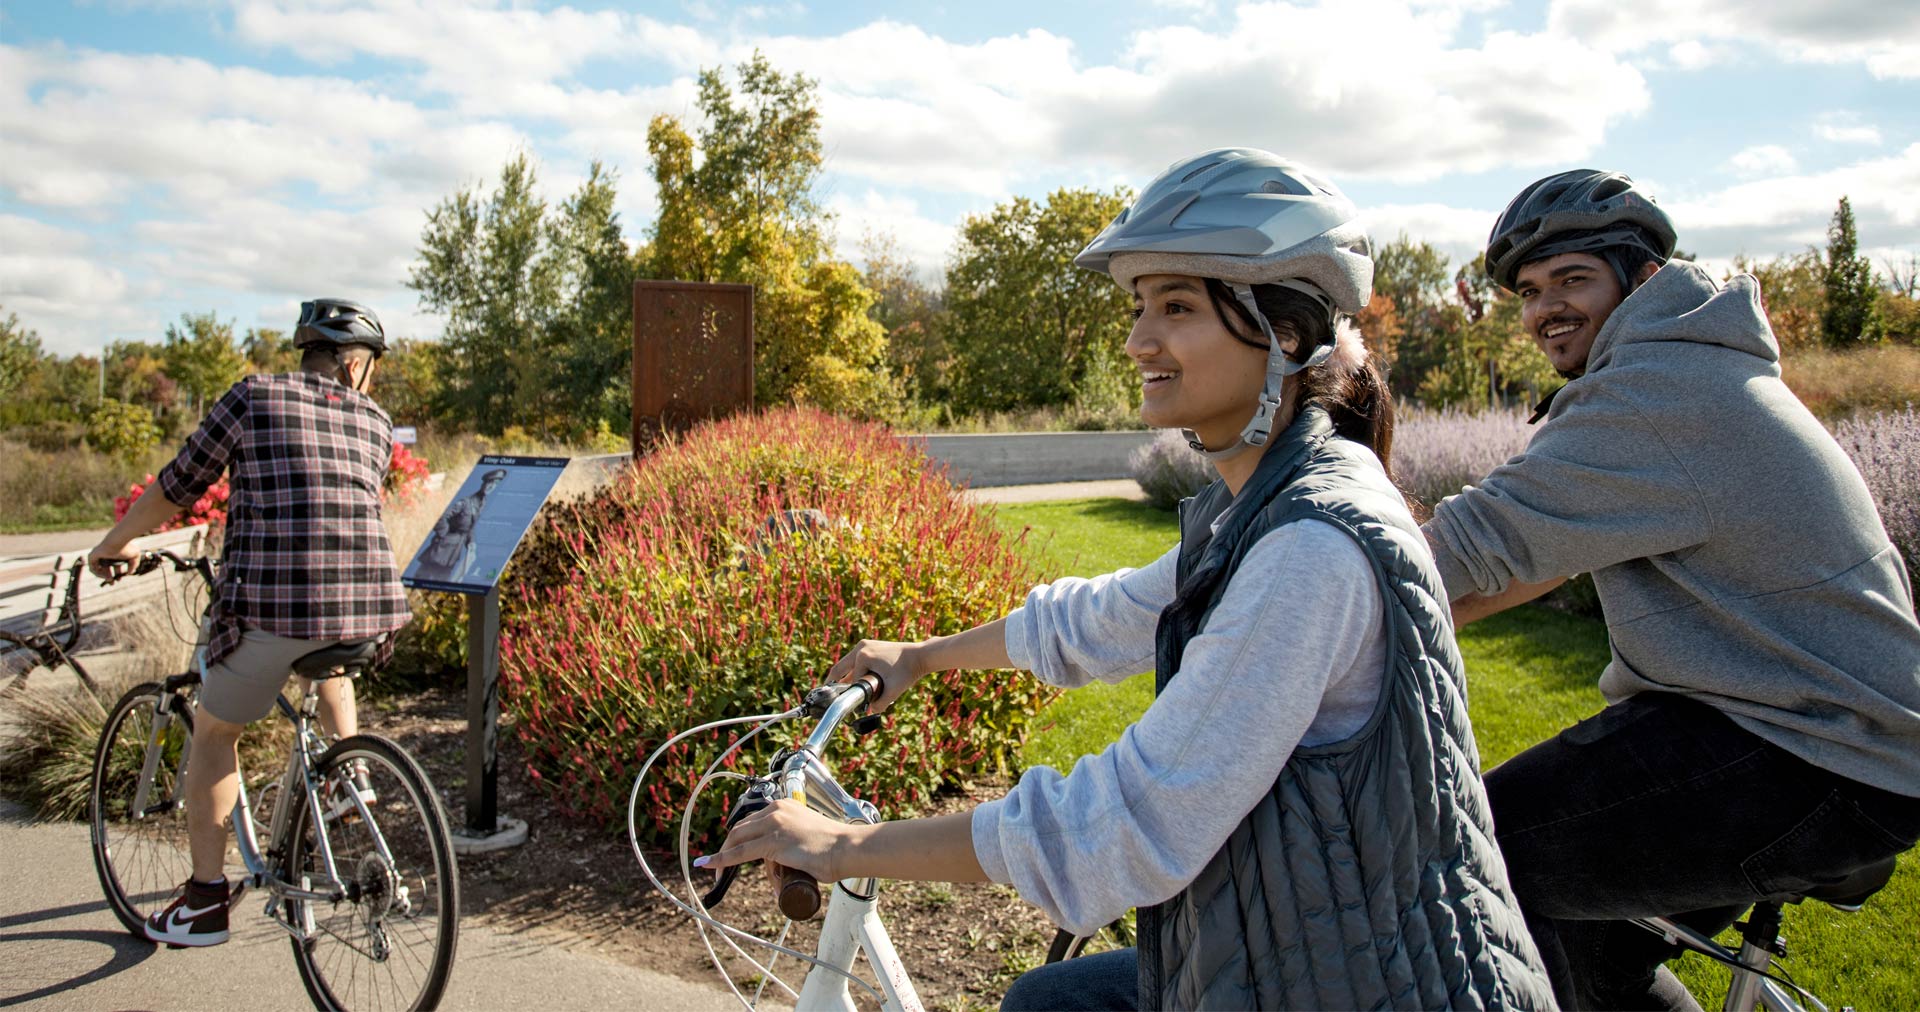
(853, 921)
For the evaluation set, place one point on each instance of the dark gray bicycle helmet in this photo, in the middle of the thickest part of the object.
(338, 323)
(1579, 211)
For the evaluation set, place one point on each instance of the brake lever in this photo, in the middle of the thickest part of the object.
(755, 798)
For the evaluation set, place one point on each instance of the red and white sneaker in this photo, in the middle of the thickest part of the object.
(196, 918)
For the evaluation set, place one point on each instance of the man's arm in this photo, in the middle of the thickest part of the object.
(151, 510)
(1474, 607)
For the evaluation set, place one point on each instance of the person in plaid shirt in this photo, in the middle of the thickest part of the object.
(306, 564)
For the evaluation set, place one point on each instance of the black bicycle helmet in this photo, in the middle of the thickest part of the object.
(1579, 211)
(339, 323)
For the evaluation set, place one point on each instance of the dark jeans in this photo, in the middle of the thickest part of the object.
(1662, 806)
(1108, 982)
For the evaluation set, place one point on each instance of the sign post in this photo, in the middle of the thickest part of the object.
(465, 554)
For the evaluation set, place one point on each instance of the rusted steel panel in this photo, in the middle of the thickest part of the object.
(692, 355)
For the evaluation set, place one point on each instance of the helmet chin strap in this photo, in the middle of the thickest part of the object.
(1259, 428)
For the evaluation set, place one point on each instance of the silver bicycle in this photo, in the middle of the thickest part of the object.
(852, 924)
(350, 844)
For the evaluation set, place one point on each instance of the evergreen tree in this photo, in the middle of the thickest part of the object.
(1851, 314)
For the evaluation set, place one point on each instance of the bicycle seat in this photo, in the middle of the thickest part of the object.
(327, 662)
(1851, 893)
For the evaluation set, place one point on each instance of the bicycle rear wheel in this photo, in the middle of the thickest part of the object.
(389, 942)
(140, 846)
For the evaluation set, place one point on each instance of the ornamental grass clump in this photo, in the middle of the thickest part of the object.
(1886, 449)
(1169, 470)
(669, 598)
(1436, 453)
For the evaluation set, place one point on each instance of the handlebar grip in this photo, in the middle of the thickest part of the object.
(799, 894)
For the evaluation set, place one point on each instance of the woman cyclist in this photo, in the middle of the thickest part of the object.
(1299, 814)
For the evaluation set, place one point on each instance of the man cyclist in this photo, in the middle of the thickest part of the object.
(1762, 732)
(305, 564)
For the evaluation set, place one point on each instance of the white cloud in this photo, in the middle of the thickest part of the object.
(1459, 232)
(1846, 128)
(921, 241)
(1762, 160)
(1786, 213)
(1884, 37)
(906, 108)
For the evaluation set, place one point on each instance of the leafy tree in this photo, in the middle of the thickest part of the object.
(593, 324)
(909, 312)
(19, 354)
(1028, 328)
(737, 206)
(539, 309)
(136, 372)
(1793, 292)
(269, 351)
(1849, 317)
(1488, 357)
(201, 355)
(1415, 278)
(408, 381)
(124, 431)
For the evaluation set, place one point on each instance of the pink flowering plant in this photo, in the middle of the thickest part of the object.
(667, 600)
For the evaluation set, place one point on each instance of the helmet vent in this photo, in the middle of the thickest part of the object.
(1198, 169)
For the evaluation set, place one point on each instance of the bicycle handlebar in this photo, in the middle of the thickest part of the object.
(150, 560)
(800, 773)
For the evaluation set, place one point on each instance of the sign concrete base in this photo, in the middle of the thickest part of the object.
(508, 832)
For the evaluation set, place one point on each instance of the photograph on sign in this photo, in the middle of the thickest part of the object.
(472, 541)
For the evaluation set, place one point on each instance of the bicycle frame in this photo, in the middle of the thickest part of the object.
(297, 781)
(1751, 983)
(853, 924)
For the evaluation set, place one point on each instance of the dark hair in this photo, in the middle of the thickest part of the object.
(1357, 401)
(327, 358)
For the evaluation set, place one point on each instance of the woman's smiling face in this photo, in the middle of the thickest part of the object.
(1194, 373)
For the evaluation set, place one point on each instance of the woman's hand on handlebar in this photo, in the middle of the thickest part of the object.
(789, 834)
(897, 665)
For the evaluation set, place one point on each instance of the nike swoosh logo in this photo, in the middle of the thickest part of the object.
(181, 915)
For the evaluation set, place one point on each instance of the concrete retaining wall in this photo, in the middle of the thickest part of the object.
(986, 460)
(1032, 458)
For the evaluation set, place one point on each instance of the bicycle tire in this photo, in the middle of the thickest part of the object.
(390, 943)
(141, 861)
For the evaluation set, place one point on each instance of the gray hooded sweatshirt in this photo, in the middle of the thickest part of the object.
(1737, 552)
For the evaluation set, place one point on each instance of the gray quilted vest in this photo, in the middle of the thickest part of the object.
(1368, 877)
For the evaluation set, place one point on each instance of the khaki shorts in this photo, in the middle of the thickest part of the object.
(240, 687)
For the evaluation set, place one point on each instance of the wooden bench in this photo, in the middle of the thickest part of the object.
(46, 601)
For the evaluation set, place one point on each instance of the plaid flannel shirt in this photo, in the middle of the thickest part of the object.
(306, 553)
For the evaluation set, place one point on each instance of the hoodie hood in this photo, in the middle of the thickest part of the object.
(1682, 303)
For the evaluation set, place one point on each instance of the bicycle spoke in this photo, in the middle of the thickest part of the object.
(389, 942)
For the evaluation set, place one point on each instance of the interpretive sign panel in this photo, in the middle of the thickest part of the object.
(474, 538)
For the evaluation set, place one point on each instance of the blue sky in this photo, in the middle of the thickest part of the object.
(176, 156)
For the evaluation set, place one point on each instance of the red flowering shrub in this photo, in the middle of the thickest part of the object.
(406, 477)
(210, 508)
(667, 600)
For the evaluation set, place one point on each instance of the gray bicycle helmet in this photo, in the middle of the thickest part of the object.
(1579, 211)
(1246, 217)
(339, 323)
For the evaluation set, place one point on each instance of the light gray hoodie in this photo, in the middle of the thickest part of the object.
(1736, 550)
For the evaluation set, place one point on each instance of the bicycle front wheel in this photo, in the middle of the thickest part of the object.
(135, 807)
(389, 941)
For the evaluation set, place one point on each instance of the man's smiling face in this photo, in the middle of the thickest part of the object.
(1564, 301)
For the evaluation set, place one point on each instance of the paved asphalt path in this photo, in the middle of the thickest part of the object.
(60, 948)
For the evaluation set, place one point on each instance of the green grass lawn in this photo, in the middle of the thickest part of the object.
(1530, 672)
